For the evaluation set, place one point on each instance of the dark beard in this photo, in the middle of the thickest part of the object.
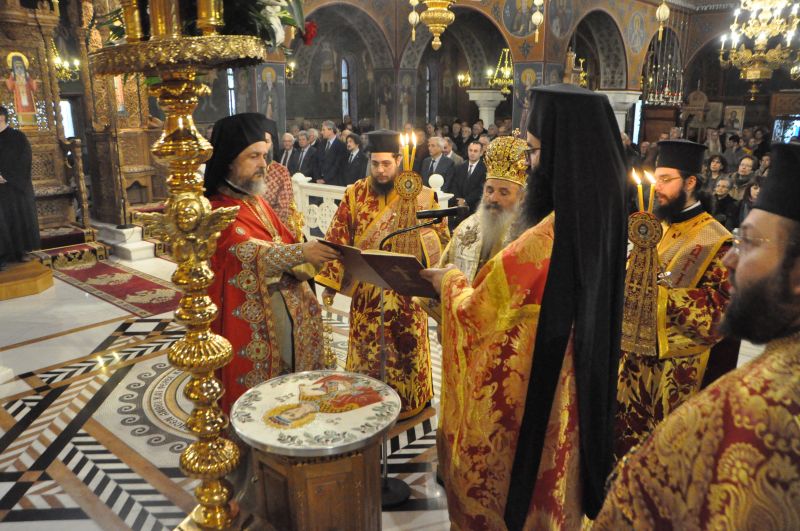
(381, 188)
(538, 197)
(761, 312)
(671, 210)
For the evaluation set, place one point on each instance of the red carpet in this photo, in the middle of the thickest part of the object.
(131, 290)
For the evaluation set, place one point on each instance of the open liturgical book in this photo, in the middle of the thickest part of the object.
(394, 271)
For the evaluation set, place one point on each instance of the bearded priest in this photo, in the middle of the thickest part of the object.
(266, 308)
(371, 209)
(530, 348)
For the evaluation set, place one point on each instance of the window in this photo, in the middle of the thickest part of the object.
(66, 118)
(231, 92)
(428, 93)
(345, 88)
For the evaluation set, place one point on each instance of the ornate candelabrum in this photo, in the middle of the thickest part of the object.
(188, 222)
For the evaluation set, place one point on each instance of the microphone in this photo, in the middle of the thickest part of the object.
(460, 210)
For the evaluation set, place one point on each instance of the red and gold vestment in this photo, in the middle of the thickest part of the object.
(489, 332)
(266, 308)
(363, 218)
(729, 458)
(689, 310)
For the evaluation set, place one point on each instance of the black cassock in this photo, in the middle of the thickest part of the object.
(19, 226)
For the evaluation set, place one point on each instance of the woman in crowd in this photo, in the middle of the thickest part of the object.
(763, 165)
(713, 172)
(750, 195)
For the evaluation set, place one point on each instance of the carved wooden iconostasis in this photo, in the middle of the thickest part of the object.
(29, 89)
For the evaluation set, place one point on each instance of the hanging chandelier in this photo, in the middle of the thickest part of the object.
(662, 15)
(503, 75)
(464, 79)
(65, 71)
(766, 20)
(662, 78)
(537, 18)
(437, 17)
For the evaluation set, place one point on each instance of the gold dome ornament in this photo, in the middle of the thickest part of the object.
(507, 159)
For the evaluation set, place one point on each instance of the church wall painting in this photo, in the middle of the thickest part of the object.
(526, 77)
(271, 93)
(22, 87)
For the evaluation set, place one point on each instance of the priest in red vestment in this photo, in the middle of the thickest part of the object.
(371, 209)
(530, 348)
(729, 457)
(267, 309)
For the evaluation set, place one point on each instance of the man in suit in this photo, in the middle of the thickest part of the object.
(332, 157)
(288, 155)
(469, 178)
(306, 156)
(436, 162)
(356, 166)
(450, 151)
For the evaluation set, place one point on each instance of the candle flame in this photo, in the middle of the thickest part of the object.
(636, 178)
(650, 177)
(413, 139)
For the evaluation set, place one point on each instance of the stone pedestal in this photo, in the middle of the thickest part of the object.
(487, 101)
(621, 101)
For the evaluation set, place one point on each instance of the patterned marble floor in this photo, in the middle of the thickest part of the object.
(91, 426)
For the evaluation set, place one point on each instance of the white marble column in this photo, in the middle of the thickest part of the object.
(621, 101)
(487, 101)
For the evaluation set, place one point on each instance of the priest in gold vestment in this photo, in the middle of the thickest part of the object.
(691, 300)
(371, 209)
(530, 348)
(729, 458)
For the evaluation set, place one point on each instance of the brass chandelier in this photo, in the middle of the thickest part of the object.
(503, 75)
(65, 70)
(766, 21)
(437, 17)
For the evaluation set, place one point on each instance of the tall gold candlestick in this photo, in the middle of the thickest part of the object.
(165, 19)
(209, 16)
(133, 23)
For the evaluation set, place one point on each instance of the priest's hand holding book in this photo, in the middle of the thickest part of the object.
(318, 255)
(435, 276)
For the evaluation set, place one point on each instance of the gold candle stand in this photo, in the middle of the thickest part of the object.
(192, 227)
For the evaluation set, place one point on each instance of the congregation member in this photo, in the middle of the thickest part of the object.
(468, 178)
(368, 212)
(742, 176)
(266, 308)
(437, 162)
(306, 155)
(530, 348)
(466, 138)
(724, 208)
(763, 164)
(692, 297)
(356, 166)
(331, 156)
(733, 151)
(288, 155)
(450, 151)
(714, 171)
(728, 458)
(19, 224)
(749, 197)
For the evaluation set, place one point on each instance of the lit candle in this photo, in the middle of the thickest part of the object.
(652, 181)
(413, 150)
(638, 182)
(722, 47)
(404, 151)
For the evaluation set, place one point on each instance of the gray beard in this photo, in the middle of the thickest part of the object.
(494, 227)
(254, 187)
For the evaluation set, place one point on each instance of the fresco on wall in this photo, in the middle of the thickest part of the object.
(271, 92)
(560, 17)
(526, 76)
(635, 34)
(22, 86)
(517, 17)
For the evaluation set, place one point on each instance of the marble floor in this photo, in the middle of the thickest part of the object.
(88, 441)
